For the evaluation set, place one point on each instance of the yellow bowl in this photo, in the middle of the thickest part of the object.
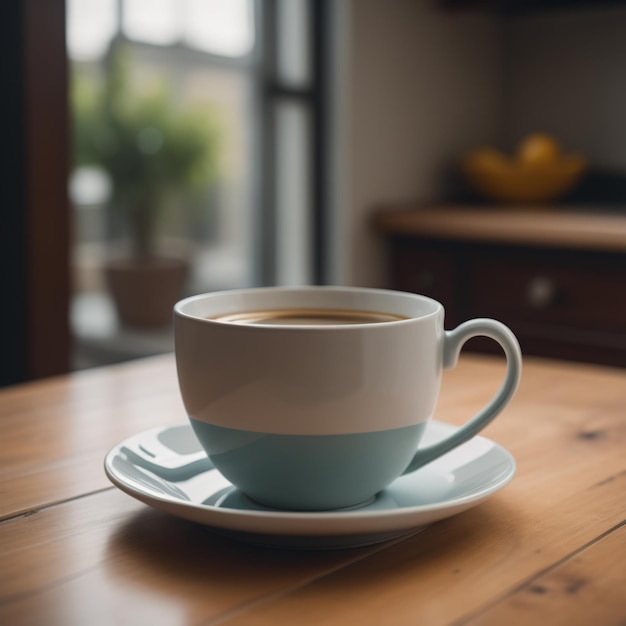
(510, 180)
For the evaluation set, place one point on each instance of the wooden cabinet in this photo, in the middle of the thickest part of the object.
(562, 301)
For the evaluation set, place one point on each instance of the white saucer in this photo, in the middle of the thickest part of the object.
(167, 469)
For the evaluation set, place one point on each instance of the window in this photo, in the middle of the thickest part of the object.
(221, 27)
(250, 68)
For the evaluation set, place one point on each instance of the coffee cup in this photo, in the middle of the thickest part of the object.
(316, 398)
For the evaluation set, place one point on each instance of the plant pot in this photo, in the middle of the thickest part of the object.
(145, 290)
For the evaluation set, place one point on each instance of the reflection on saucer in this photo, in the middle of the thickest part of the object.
(233, 498)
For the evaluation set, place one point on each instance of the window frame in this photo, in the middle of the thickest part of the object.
(34, 240)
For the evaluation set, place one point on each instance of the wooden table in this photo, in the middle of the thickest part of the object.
(550, 548)
(590, 228)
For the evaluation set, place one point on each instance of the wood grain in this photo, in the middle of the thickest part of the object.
(57, 431)
(73, 550)
(523, 225)
(586, 589)
(107, 559)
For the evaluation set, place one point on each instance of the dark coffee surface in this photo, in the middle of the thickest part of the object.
(307, 317)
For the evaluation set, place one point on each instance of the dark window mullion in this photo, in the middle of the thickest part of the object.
(265, 214)
(313, 97)
(320, 46)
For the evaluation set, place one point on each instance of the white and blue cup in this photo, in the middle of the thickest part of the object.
(320, 417)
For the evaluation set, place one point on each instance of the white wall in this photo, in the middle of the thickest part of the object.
(566, 74)
(417, 87)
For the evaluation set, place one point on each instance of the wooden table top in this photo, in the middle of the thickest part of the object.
(560, 227)
(550, 548)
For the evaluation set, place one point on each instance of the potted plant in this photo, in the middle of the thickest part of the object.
(155, 155)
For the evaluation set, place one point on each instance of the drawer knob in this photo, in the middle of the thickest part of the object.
(542, 292)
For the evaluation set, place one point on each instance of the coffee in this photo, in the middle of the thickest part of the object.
(307, 317)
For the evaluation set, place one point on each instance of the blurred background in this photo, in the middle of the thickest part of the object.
(195, 145)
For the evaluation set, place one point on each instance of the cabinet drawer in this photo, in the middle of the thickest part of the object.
(575, 297)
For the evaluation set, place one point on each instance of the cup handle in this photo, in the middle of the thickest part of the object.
(452, 344)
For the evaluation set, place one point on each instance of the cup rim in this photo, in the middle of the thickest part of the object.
(180, 308)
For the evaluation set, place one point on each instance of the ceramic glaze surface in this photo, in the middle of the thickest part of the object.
(163, 468)
(325, 471)
(311, 416)
(309, 380)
